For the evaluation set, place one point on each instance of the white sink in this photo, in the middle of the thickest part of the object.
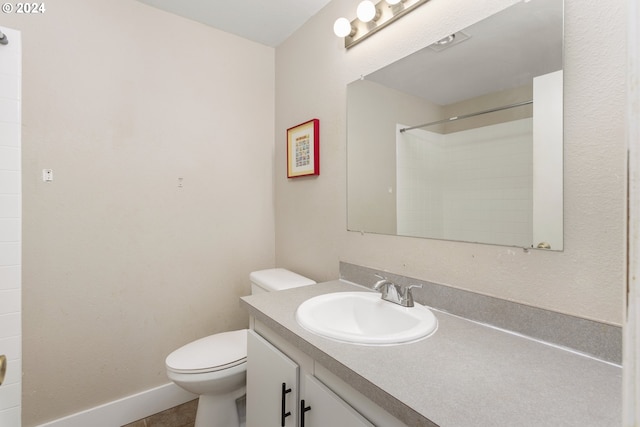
(364, 318)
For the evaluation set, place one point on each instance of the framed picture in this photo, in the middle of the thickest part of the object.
(303, 149)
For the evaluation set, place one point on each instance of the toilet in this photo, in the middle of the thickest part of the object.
(215, 367)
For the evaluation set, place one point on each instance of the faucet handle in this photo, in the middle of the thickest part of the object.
(407, 295)
(380, 283)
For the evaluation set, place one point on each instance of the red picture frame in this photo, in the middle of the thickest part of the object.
(303, 149)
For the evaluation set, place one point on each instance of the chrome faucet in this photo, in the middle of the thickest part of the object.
(394, 293)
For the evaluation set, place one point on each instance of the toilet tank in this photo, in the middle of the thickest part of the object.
(276, 279)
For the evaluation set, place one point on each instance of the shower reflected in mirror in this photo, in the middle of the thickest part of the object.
(462, 140)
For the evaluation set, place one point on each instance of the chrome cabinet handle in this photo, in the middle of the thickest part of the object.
(3, 367)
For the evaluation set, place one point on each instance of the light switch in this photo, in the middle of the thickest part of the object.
(47, 175)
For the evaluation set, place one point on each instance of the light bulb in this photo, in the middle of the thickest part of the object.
(366, 11)
(342, 27)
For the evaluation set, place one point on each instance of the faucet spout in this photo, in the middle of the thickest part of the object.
(395, 293)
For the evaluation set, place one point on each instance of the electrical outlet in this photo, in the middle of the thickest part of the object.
(47, 175)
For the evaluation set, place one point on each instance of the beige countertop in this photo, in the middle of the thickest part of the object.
(466, 374)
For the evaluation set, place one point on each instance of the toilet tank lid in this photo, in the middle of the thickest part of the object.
(210, 353)
(277, 279)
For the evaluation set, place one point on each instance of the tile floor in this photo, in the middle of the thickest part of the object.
(180, 416)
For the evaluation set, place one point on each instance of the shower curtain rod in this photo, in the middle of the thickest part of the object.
(466, 116)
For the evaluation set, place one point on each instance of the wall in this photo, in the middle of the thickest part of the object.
(547, 155)
(159, 132)
(486, 102)
(10, 226)
(586, 279)
(374, 110)
(631, 339)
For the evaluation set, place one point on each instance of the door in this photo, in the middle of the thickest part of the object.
(272, 385)
(321, 407)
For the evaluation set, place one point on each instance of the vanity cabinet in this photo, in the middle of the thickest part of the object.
(272, 385)
(279, 395)
(325, 408)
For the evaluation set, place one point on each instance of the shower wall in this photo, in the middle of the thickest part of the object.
(10, 227)
(471, 185)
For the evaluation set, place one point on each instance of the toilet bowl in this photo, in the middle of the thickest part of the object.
(214, 367)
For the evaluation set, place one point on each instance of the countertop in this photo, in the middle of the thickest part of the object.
(465, 374)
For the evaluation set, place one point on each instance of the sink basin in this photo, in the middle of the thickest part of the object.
(364, 318)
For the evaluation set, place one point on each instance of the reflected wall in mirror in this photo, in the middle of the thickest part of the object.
(462, 140)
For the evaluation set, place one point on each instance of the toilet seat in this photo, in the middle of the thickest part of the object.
(210, 354)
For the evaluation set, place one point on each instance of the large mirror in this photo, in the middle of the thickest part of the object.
(462, 140)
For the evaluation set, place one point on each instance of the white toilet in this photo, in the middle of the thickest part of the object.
(215, 367)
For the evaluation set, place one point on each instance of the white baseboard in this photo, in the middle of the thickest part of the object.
(128, 409)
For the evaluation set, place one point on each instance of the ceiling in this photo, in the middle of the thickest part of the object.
(502, 52)
(267, 22)
(515, 41)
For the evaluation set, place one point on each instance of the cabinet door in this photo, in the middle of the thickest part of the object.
(272, 385)
(322, 408)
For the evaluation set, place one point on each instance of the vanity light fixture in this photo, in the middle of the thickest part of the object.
(367, 11)
(371, 18)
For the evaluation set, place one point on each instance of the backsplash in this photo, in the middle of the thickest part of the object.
(595, 339)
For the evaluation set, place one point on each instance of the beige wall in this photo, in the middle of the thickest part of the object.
(312, 71)
(373, 111)
(486, 102)
(121, 266)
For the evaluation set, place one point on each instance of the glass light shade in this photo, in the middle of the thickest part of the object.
(393, 2)
(366, 11)
(342, 27)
